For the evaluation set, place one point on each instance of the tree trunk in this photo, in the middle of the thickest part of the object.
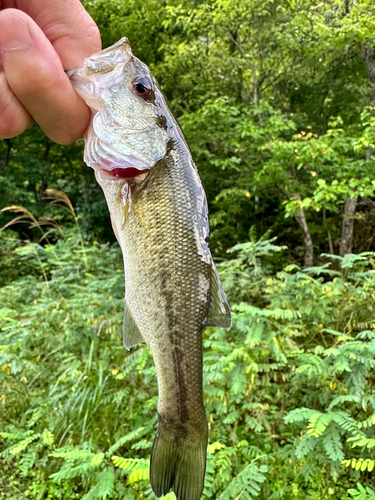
(301, 219)
(368, 56)
(351, 204)
(347, 226)
(330, 244)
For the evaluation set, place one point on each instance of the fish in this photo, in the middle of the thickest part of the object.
(159, 215)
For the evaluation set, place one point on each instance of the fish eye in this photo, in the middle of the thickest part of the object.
(143, 87)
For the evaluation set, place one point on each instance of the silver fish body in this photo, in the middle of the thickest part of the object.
(159, 213)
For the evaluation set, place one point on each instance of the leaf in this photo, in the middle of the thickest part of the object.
(48, 438)
(130, 464)
(332, 443)
(247, 480)
(22, 445)
(106, 482)
(139, 475)
(135, 434)
(318, 422)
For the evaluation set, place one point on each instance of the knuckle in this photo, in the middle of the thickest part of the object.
(13, 121)
(10, 126)
(91, 34)
(93, 37)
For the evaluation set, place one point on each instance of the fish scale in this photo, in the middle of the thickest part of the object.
(169, 282)
(159, 214)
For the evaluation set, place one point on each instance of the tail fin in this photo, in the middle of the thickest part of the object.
(178, 462)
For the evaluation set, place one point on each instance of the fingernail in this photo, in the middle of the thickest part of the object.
(14, 33)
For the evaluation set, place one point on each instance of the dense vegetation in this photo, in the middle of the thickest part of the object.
(277, 101)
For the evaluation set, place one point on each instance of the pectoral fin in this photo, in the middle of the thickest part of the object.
(130, 331)
(218, 311)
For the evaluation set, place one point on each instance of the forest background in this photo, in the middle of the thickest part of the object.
(276, 99)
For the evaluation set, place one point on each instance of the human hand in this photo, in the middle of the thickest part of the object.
(39, 41)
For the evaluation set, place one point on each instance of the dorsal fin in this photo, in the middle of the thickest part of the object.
(218, 310)
(130, 331)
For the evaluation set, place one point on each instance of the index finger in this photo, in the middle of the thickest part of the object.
(67, 25)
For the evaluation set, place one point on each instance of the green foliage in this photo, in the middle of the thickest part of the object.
(361, 493)
(362, 464)
(288, 390)
(275, 99)
(277, 103)
(246, 484)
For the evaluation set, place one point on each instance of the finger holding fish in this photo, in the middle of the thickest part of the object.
(39, 40)
(14, 118)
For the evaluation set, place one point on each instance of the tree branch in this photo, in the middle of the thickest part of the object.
(301, 219)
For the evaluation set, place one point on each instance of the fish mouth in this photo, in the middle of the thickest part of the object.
(123, 173)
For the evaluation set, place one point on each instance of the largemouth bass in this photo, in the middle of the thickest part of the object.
(159, 215)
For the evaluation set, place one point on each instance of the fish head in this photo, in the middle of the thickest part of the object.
(128, 133)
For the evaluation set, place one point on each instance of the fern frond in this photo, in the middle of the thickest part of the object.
(345, 421)
(305, 446)
(360, 464)
(47, 438)
(106, 483)
(130, 464)
(73, 453)
(362, 441)
(332, 443)
(21, 446)
(349, 398)
(214, 447)
(318, 423)
(139, 475)
(136, 434)
(298, 415)
(245, 483)
(367, 423)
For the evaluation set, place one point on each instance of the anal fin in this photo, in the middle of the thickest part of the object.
(130, 331)
(218, 310)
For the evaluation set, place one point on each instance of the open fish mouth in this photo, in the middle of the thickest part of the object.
(124, 173)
